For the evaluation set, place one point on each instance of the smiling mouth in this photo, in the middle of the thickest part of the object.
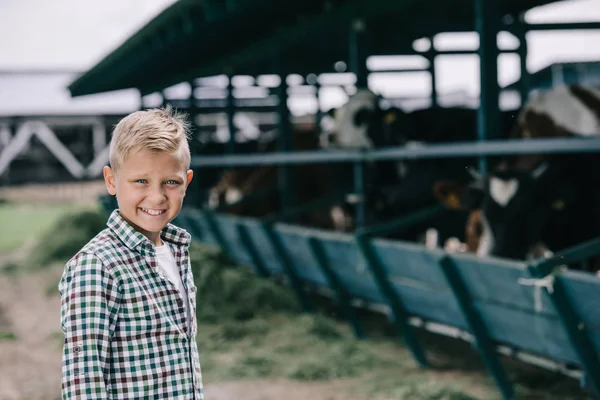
(152, 212)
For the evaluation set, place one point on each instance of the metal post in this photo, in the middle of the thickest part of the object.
(525, 80)
(288, 267)
(215, 230)
(319, 113)
(230, 115)
(284, 143)
(431, 68)
(197, 193)
(336, 284)
(246, 241)
(577, 332)
(359, 193)
(477, 327)
(399, 312)
(357, 53)
(488, 114)
(142, 107)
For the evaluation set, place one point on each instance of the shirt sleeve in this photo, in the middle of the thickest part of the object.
(89, 306)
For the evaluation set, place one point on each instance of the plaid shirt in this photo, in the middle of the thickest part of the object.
(126, 335)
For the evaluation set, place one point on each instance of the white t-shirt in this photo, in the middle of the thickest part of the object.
(168, 266)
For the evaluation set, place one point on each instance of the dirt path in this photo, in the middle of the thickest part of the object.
(30, 364)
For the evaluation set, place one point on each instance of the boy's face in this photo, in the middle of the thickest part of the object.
(150, 188)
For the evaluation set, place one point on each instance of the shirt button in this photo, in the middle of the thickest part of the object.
(179, 302)
(77, 349)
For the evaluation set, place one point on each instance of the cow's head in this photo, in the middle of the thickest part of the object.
(236, 185)
(361, 123)
(509, 209)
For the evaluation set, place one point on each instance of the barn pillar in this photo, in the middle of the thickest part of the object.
(525, 80)
(430, 55)
(142, 106)
(230, 110)
(319, 113)
(284, 144)
(357, 57)
(197, 193)
(357, 53)
(488, 115)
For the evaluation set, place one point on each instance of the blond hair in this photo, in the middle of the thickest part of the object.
(154, 130)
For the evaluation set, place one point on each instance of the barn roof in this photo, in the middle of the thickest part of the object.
(199, 38)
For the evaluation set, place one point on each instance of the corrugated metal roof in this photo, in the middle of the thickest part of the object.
(195, 38)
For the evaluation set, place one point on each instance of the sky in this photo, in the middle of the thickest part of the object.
(76, 34)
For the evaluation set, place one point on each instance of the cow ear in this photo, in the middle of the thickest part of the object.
(390, 117)
(449, 194)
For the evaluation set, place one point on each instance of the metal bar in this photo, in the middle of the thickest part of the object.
(230, 109)
(573, 254)
(446, 150)
(525, 79)
(288, 266)
(403, 222)
(357, 52)
(469, 52)
(284, 144)
(488, 113)
(431, 68)
(551, 26)
(343, 297)
(574, 327)
(477, 326)
(257, 261)
(399, 313)
(359, 191)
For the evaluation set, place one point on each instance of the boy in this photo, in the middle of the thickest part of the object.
(128, 297)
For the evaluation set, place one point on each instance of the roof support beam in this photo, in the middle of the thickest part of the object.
(488, 114)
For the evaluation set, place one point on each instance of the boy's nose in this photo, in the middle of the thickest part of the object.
(158, 195)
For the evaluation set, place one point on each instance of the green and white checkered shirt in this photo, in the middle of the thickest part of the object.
(126, 335)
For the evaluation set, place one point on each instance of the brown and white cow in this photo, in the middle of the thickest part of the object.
(253, 190)
(535, 204)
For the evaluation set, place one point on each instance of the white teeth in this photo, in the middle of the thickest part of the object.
(152, 212)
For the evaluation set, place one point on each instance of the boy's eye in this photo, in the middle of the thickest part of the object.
(140, 181)
(172, 182)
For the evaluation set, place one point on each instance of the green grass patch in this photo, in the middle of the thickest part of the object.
(7, 336)
(69, 233)
(27, 221)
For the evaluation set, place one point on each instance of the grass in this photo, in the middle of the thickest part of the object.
(252, 328)
(7, 336)
(27, 221)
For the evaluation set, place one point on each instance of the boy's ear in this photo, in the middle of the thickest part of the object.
(110, 181)
(190, 175)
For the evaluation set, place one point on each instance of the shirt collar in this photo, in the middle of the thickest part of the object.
(137, 241)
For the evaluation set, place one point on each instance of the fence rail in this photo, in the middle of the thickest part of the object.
(445, 150)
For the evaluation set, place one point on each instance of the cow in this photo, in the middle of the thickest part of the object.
(253, 190)
(532, 205)
(399, 188)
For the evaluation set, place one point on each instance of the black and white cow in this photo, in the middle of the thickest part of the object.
(399, 188)
(533, 205)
